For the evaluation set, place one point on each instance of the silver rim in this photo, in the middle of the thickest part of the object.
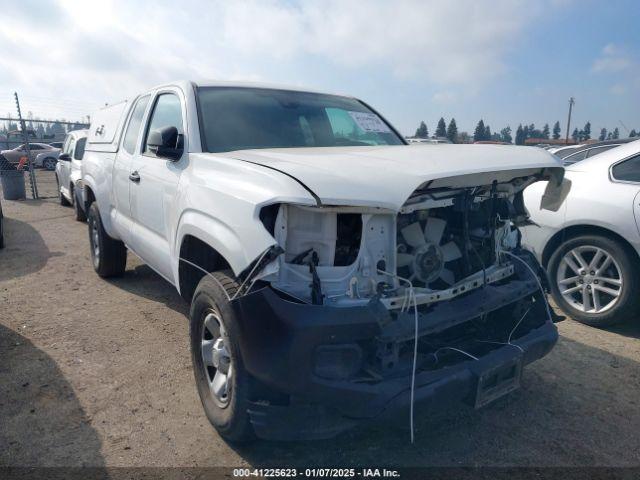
(95, 240)
(589, 279)
(217, 361)
(48, 164)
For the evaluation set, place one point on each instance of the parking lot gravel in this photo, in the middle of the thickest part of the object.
(96, 372)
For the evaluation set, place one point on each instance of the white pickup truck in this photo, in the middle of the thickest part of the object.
(335, 273)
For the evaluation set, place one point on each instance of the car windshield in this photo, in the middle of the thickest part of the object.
(237, 118)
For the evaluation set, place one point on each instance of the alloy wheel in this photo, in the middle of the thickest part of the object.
(589, 279)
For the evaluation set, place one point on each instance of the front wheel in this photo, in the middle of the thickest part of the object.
(109, 256)
(223, 383)
(594, 279)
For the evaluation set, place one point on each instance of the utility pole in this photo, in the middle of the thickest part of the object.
(571, 103)
(25, 137)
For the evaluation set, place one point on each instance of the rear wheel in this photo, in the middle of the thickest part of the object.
(223, 384)
(594, 279)
(49, 163)
(109, 256)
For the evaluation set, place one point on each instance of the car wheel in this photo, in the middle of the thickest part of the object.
(223, 383)
(109, 256)
(49, 163)
(77, 207)
(594, 280)
(62, 199)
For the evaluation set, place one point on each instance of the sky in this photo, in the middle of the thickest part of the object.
(507, 62)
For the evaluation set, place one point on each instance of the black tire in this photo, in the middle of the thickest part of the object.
(628, 299)
(231, 420)
(110, 258)
(81, 216)
(49, 163)
(63, 200)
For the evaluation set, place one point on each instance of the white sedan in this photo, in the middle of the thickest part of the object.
(591, 245)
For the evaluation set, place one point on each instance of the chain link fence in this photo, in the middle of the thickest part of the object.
(33, 143)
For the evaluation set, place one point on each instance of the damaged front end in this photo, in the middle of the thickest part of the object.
(353, 303)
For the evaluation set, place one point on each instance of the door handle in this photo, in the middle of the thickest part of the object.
(134, 177)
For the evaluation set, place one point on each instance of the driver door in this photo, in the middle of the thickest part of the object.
(154, 185)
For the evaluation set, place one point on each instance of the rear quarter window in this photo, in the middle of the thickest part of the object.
(628, 170)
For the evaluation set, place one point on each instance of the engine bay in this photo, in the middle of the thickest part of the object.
(445, 241)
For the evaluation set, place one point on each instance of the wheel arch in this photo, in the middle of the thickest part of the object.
(195, 251)
(89, 196)
(576, 230)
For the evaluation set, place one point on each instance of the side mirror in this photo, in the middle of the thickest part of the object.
(65, 157)
(166, 142)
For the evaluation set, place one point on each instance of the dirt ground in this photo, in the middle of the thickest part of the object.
(96, 372)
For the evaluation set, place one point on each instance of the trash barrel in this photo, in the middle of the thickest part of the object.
(13, 184)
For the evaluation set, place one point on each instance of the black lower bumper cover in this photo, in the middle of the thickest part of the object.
(278, 339)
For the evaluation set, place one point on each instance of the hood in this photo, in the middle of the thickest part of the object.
(386, 176)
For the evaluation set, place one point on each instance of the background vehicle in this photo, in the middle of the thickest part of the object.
(563, 151)
(592, 149)
(57, 144)
(433, 140)
(303, 229)
(15, 154)
(591, 246)
(68, 172)
(47, 159)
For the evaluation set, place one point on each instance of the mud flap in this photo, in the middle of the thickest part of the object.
(498, 381)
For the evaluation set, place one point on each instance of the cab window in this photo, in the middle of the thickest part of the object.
(70, 146)
(167, 112)
(80, 144)
(133, 129)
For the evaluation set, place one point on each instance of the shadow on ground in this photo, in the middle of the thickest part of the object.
(25, 251)
(629, 329)
(142, 281)
(555, 419)
(41, 421)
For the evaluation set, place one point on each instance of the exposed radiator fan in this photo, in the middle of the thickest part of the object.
(427, 259)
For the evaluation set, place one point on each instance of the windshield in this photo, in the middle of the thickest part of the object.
(237, 118)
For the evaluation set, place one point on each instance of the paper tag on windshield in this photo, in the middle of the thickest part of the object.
(369, 122)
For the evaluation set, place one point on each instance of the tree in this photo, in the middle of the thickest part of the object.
(545, 131)
(422, 131)
(520, 135)
(603, 134)
(575, 135)
(633, 133)
(452, 131)
(487, 132)
(556, 131)
(505, 134)
(479, 132)
(616, 134)
(586, 131)
(441, 130)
